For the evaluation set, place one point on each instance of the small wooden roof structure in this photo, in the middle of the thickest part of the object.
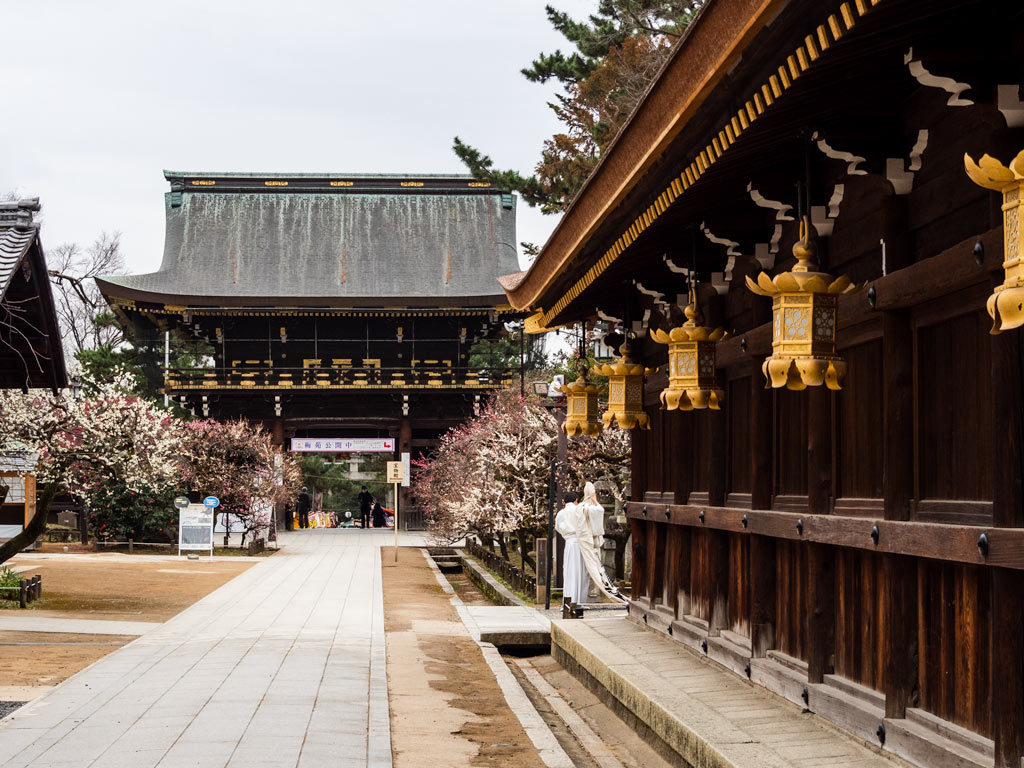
(31, 354)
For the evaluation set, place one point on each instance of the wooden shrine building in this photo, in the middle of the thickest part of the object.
(31, 354)
(852, 535)
(335, 305)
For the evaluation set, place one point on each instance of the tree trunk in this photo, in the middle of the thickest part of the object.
(524, 550)
(35, 528)
(503, 544)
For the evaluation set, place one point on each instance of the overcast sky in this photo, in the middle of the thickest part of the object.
(101, 95)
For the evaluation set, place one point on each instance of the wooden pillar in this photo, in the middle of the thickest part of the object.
(278, 434)
(404, 446)
(1006, 674)
(638, 576)
(762, 595)
(718, 581)
(821, 623)
(899, 652)
(717, 447)
(636, 465)
(819, 450)
(898, 437)
(760, 443)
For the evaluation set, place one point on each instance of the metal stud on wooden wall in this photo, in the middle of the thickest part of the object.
(1006, 304)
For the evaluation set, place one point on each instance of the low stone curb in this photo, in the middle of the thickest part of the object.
(495, 591)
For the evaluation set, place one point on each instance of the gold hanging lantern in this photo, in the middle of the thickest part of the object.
(1006, 304)
(581, 411)
(691, 362)
(625, 392)
(804, 309)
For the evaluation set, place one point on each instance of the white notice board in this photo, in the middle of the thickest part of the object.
(195, 528)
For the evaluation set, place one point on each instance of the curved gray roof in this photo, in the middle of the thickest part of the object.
(329, 240)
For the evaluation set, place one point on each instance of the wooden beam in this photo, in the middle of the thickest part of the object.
(899, 597)
(898, 414)
(939, 541)
(947, 272)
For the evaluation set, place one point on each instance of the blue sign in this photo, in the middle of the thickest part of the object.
(211, 502)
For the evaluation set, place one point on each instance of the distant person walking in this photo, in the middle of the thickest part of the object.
(303, 506)
(365, 505)
(378, 515)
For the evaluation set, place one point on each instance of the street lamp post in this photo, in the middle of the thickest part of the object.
(556, 405)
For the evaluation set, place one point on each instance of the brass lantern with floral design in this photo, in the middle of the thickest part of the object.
(691, 362)
(1006, 304)
(625, 391)
(804, 308)
(581, 406)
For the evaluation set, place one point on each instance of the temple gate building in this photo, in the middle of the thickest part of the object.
(857, 550)
(332, 305)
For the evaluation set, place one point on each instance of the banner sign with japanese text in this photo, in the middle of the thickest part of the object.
(344, 444)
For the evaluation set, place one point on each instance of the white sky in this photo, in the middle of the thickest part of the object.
(101, 95)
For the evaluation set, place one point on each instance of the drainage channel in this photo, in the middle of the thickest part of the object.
(590, 734)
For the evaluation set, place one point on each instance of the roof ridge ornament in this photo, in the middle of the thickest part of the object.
(1006, 304)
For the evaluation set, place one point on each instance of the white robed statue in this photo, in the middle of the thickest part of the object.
(581, 561)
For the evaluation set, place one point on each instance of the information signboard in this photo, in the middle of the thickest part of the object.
(396, 471)
(195, 528)
(343, 444)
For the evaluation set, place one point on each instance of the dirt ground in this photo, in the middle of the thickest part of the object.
(47, 658)
(109, 587)
(446, 706)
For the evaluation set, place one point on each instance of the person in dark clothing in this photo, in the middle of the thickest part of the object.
(378, 515)
(365, 504)
(303, 507)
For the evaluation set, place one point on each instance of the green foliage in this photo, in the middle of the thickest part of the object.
(9, 579)
(618, 51)
(594, 38)
(501, 354)
(115, 512)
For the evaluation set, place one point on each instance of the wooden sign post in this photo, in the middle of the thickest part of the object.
(396, 474)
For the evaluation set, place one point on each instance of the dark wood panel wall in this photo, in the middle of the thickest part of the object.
(926, 435)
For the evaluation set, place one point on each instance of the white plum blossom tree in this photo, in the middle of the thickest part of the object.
(79, 445)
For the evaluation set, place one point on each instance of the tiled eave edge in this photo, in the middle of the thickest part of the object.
(834, 27)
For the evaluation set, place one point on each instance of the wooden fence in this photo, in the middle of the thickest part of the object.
(28, 590)
(515, 577)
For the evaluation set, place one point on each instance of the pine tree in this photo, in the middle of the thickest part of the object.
(619, 49)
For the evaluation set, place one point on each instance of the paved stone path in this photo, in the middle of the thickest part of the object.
(282, 666)
(76, 626)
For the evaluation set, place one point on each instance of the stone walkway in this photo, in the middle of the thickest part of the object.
(706, 714)
(282, 666)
